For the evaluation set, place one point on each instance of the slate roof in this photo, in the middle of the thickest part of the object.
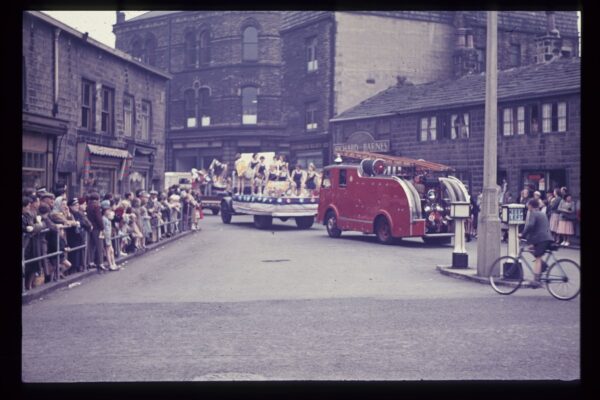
(559, 76)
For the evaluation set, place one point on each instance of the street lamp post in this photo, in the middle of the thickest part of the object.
(488, 240)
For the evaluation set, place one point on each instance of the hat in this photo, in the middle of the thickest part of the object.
(82, 200)
(41, 190)
(105, 204)
(45, 195)
(144, 194)
(153, 192)
(73, 202)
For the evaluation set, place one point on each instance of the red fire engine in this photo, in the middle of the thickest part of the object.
(393, 197)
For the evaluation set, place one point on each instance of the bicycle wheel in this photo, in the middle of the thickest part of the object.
(506, 275)
(563, 279)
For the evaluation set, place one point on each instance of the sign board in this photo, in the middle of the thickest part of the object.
(379, 146)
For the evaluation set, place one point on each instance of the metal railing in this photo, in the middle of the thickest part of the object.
(171, 228)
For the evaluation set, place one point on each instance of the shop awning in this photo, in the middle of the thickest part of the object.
(108, 151)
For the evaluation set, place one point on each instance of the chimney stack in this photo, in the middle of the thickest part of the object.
(549, 44)
(551, 24)
(120, 17)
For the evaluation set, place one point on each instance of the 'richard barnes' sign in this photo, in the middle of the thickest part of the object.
(380, 146)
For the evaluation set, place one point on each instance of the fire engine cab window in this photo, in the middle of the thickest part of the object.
(342, 178)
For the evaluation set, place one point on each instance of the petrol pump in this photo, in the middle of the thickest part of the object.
(459, 212)
(513, 215)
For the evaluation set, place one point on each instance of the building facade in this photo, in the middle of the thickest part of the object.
(539, 127)
(310, 67)
(225, 95)
(93, 117)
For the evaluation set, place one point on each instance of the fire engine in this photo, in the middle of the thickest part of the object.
(392, 197)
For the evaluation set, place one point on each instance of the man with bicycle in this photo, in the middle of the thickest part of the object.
(537, 233)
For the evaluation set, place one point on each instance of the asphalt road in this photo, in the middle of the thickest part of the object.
(235, 303)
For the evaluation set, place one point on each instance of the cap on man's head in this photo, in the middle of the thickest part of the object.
(41, 190)
(153, 192)
(46, 195)
(105, 204)
(73, 202)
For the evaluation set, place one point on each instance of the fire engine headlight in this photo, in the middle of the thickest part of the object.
(431, 195)
(427, 208)
(439, 208)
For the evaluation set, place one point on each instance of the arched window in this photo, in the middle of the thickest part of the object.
(250, 44)
(249, 105)
(204, 106)
(204, 47)
(149, 56)
(191, 55)
(189, 97)
(137, 50)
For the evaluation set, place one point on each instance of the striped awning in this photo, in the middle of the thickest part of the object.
(108, 151)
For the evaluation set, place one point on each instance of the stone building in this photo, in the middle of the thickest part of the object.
(539, 134)
(93, 117)
(311, 66)
(225, 95)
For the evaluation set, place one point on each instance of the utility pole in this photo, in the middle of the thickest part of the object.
(488, 241)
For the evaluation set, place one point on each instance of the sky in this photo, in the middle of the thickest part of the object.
(99, 23)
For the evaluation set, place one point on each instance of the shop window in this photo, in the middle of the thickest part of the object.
(107, 101)
(128, 115)
(249, 105)
(250, 44)
(87, 104)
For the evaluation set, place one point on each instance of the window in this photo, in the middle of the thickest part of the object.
(146, 119)
(191, 55)
(87, 104)
(459, 125)
(514, 55)
(190, 108)
(250, 44)
(507, 122)
(34, 169)
(342, 178)
(311, 117)
(383, 126)
(554, 117)
(428, 129)
(311, 54)
(249, 105)
(204, 49)
(149, 56)
(521, 120)
(204, 106)
(137, 51)
(106, 119)
(534, 119)
(481, 58)
(128, 116)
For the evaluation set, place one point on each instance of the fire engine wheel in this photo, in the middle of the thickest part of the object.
(304, 222)
(383, 231)
(331, 224)
(263, 221)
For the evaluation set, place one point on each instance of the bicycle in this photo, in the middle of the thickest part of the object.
(562, 277)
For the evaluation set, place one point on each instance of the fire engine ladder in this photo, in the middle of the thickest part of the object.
(405, 162)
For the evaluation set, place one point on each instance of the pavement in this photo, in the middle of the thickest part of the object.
(75, 279)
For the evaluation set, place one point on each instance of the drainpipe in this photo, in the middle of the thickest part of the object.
(56, 149)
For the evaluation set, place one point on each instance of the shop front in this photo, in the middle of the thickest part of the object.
(103, 169)
(544, 180)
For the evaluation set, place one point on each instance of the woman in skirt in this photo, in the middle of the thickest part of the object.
(555, 214)
(567, 216)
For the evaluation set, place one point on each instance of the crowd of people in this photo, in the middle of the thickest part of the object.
(559, 207)
(92, 231)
